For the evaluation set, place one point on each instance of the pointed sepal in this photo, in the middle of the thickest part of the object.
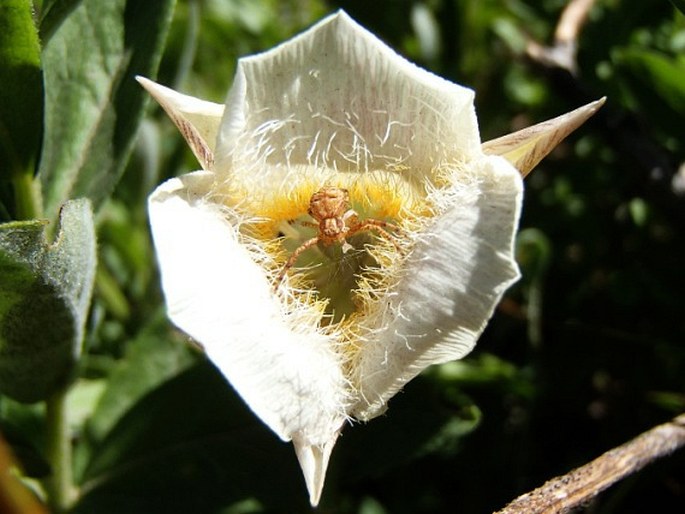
(197, 120)
(313, 459)
(526, 148)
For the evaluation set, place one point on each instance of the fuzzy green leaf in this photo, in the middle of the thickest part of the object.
(21, 101)
(45, 293)
(93, 104)
(680, 5)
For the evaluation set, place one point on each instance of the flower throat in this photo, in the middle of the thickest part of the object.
(339, 250)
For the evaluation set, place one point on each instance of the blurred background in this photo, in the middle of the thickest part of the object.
(585, 352)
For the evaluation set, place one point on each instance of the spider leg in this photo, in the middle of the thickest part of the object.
(379, 227)
(371, 222)
(303, 223)
(293, 258)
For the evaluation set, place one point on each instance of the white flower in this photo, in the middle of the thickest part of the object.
(349, 324)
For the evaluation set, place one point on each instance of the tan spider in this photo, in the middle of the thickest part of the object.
(336, 221)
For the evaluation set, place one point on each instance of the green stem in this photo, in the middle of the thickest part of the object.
(534, 309)
(189, 49)
(60, 483)
(27, 196)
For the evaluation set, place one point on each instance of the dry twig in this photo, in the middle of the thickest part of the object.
(562, 494)
(563, 53)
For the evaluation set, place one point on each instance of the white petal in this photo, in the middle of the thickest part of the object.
(336, 97)
(215, 292)
(453, 280)
(197, 120)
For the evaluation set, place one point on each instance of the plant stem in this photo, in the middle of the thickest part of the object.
(27, 196)
(566, 493)
(60, 484)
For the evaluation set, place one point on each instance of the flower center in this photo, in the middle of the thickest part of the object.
(338, 269)
(344, 250)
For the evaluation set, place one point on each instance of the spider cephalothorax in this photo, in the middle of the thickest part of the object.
(336, 221)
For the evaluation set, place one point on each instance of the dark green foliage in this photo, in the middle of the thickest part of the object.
(585, 352)
(21, 102)
(92, 103)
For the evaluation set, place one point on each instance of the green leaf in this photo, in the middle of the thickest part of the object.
(191, 445)
(447, 415)
(23, 426)
(21, 101)
(657, 84)
(679, 4)
(45, 293)
(154, 357)
(664, 74)
(53, 13)
(93, 104)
